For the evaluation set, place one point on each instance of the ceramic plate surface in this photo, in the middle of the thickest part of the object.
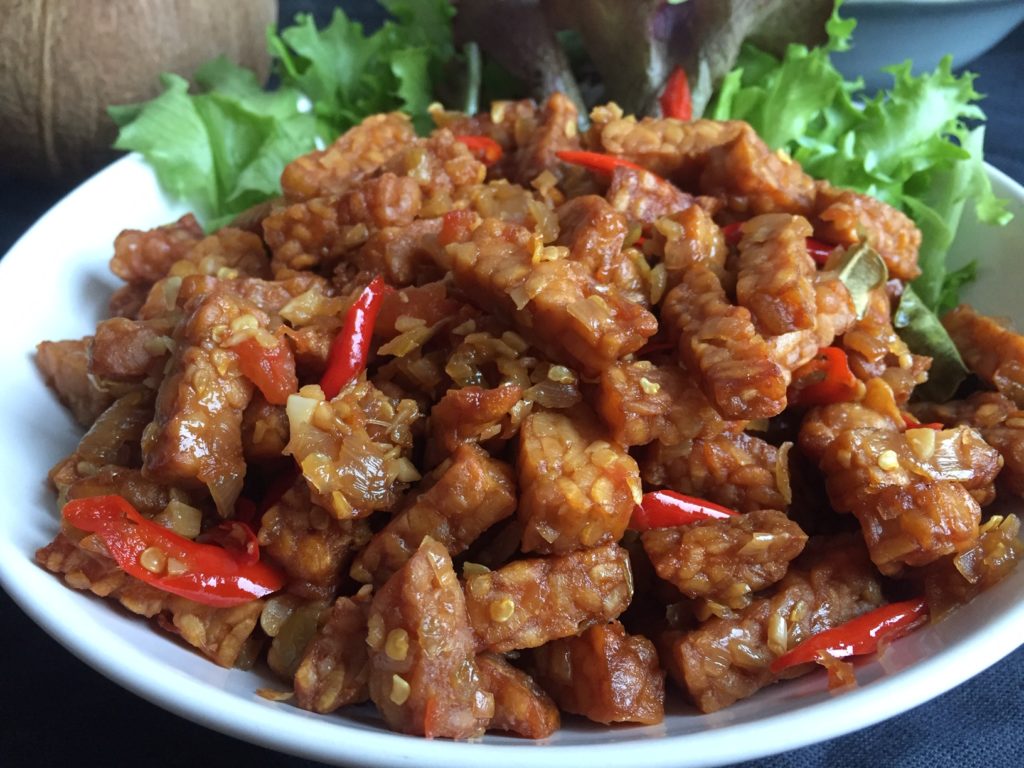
(54, 284)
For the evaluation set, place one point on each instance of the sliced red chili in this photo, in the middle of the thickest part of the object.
(350, 349)
(271, 369)
(235, 536)
(456, 226)
(857, 637)
(732, 232)
(675, 99)
(484, 148)
(819, 251)
(824, 380)
(596, 161)
(205, 573)
(911, 423)
(667, 509)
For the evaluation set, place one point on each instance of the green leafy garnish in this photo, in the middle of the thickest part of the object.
(222, 144)
(910, 145)
(921, 330)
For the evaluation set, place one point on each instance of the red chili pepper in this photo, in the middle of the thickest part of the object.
(205, 573)
(351, 347)
(484, 148)
(857, 637)
(235, 536)
(824, 380)
(596, 161)
(816, 249)
(911, 423)
(455, 226)
(667, 509)
(675, 99)
(819, 251)
(732, 232)
(271, 369)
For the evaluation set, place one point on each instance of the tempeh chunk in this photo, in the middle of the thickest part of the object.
(218, 633)
(577, 489)
(990, 349)
(776, 274)
(845, 217)
(725, 560)
(353, 156)
(718, 341)
(604, 674)
(467, 495)
(556, 304)
(423, 676)
(335, 669)
(529, 602)
(195, 438)
(520, 705)
(727, 659)
(65, 368)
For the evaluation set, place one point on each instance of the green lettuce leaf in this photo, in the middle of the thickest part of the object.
(223, 143)
(170, 133)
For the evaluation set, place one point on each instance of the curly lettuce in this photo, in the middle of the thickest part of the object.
(917, 145)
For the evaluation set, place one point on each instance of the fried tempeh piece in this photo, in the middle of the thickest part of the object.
(594, 232)
(310, 544)
(990, 349)
(577, 489)
(354, 155)
(916, 492)
(529, 602)
(444, 169)
(1000, 422)
(725, 560)
(727, 658)
(218, 633)
(726, 159)
(555, 129)
(776, 274)
(734, 469)
(718, 340)
(129, 350)
(604, 674)
(520, 705)
(641, 402)
(644, 197)
(466, 495)
(423, 675)
(353, 450)
(845, 217)
(143, 257)
(469, 415)
(321, 230)
(956, 579)
(195, 438)
(556, 304)
(65, 368)
(335, 666)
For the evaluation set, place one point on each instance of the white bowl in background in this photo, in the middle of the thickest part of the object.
(891, 31)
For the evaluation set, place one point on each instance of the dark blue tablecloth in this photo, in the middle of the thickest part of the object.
(57, 711)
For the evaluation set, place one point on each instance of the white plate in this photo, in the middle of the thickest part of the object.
(54, 284)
